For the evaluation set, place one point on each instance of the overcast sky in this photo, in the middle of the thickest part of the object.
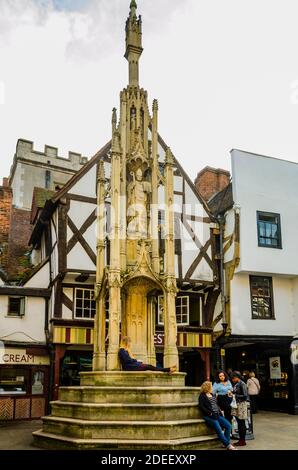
(225, 73)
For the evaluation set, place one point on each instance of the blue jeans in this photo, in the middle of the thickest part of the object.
(218, 424)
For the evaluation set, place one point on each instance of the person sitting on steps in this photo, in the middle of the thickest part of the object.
(129, 363)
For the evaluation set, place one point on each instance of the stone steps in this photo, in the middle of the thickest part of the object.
(133, 379)
(126, 410)
(53, 441)
(121, 411)
(150, 395)
(131, 430)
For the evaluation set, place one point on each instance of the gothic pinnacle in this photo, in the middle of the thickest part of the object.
(133, 4)
(114, 119)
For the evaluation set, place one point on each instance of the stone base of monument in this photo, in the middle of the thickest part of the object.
(126, 410)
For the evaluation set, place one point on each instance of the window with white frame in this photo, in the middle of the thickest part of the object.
(182, 310)
(85, 305)
(16, 307)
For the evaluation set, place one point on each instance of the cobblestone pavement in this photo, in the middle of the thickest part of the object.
(272, 431)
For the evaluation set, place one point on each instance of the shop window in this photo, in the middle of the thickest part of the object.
(13, 381)
(16, 306)
(269, 232)
(85, 304)
(182, 310)
(261, 298)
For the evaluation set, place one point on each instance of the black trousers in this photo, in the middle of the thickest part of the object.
(227, 412)
(254, 403)
(224, 404)
(241, 429)
(157, 369)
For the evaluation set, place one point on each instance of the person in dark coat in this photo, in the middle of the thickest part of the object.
(213, 415)
(129, 363)
(241, 413)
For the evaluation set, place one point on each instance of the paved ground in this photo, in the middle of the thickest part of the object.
(272, 431)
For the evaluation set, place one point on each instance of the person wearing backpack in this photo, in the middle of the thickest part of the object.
(253, 387)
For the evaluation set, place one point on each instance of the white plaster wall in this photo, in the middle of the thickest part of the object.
(229, 229)
(78, 259)
(29, 328)
(295, 304)
(41, 279)
(270, 185)
(86, 186)
(80, 211)
(241, 321)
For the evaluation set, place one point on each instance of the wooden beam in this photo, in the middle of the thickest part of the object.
(82, 241)
(67, 302)
(25, 292)
(196, 262)
(75, 238)
(80, 198)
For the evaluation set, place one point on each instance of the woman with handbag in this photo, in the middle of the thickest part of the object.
(222, 388)
(253, 387)
(241, 397)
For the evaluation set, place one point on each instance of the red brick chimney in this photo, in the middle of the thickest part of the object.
(5, 221)
(211, 180)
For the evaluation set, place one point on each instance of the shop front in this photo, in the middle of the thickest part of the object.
(24, 383)
(74, 351)
(73, 348)
(194, 354)
(270, 359)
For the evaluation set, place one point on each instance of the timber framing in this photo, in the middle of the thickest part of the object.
(25, 292)
(78, 235)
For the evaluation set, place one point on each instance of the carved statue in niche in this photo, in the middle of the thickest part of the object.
(137, 206)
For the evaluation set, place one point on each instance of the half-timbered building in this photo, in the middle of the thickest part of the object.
(75, 238)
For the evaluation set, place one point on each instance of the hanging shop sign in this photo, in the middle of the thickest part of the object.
(275, 367)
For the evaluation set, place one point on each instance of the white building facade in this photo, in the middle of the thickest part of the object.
(261, 275)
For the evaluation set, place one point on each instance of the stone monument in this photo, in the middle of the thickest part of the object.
(111, 408)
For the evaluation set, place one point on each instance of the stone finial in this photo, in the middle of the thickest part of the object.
(134, 47)
(133, 7)
(116, 146)
(114, 119)
(155, 105)
(101, 171)
(169, 160)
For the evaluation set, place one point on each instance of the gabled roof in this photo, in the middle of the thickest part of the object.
(39, 198)
(51, 203)
(185, 175)
(222, 201)
(93, 161)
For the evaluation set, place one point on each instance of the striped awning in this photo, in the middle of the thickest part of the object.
(81, 335)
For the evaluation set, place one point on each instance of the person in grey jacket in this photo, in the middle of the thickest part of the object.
(241, 395)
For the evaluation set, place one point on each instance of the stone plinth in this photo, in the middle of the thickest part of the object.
(126, 410)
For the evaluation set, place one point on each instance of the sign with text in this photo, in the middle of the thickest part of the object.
(10, 356)
(275, 368)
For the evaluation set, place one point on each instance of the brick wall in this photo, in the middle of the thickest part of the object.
(19, 236)
(5, 222)
(211, 180)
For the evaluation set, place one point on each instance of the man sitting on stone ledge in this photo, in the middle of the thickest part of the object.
(129, 363)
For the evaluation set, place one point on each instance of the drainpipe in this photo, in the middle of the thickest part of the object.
(221, 222)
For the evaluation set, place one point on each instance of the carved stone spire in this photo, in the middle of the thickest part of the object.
(133, 44)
